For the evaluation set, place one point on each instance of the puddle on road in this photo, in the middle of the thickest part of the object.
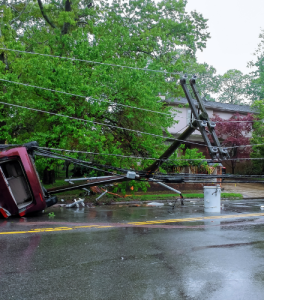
(128, 214)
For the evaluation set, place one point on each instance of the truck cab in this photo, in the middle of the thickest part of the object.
(21, 191)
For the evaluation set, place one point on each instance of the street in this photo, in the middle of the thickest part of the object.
(123, 252)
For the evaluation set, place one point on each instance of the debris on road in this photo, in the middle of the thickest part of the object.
(155, 204)
(76, 203)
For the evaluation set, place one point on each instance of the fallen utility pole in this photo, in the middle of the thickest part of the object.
(201, 122)
(175, 145)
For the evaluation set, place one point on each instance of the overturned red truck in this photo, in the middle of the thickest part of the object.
(21, 191)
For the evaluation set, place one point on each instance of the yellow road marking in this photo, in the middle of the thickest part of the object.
(196, 219)
(14, 232)
(39, 230)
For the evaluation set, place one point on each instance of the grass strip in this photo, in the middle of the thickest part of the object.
(158, 196)
(193, 195)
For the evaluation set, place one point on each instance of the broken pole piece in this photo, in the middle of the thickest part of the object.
(101, 195)
(170, 188)
(166, 186)
(76, 203)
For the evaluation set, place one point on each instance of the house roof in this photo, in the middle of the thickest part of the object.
(216, 105)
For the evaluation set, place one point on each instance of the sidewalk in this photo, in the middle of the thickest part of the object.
(248, 190)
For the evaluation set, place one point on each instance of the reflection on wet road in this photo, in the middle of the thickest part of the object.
(135, 253)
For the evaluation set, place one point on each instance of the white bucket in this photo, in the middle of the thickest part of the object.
(212, 198)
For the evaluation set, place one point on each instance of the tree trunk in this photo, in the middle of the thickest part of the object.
(66, 26)
(233, 163)
(48, 176)
(67, 168)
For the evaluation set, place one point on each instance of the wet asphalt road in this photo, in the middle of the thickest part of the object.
(208, 258)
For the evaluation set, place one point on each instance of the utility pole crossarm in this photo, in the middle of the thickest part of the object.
(204, 116)
(201, 124)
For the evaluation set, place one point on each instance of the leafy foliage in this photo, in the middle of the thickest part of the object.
(256, 88)
(233, 134)
(233, 87)
(208, 82)
(191, 157)
(258, 138)
(137, 33)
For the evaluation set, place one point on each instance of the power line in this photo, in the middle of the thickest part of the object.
(128, 156)
(78, 163)
(189, 175)
(87, 98)
(233, 121)
(97, 123)
(87, 164)
(113, 126)
(74, 160)
(95, 62)
(114, 103)
(181, 129)
(114, 65)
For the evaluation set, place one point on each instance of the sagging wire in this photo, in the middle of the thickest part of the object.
(138, 157)
(95, 62)
(96, 123)
(76, 162)
(88, 98)
(113, 126)
(115, 103)
(107, 125)
(179, 175)
(114, 65)
(146, 158)
(141, 157)
(160, 176)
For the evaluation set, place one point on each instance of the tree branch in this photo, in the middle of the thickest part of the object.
(44, 14)
(18, 17)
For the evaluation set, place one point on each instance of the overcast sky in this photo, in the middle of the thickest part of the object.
(234, 26)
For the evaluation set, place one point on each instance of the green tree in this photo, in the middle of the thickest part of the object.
(208, 82)
(138, 34)
(256, 86)
(233, 87)
(258, 138)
